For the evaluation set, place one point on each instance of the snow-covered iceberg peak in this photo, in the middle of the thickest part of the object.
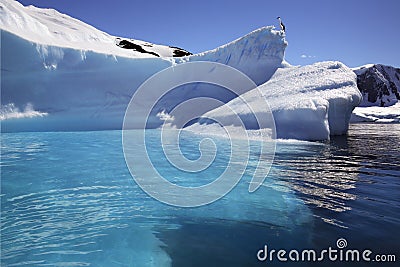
(258, 54)
(48, 26)
(309, 103)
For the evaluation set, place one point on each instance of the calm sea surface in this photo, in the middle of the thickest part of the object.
(68, 199)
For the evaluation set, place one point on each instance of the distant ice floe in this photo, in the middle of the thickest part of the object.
(377, 114)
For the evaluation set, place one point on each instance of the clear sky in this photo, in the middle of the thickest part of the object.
(355, 32)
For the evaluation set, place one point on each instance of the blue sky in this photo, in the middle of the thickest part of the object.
(354, 32)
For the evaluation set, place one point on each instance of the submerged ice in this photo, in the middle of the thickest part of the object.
(81, 207)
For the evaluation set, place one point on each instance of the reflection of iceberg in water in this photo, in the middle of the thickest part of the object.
(344, 174)
(323, 180)
(322, 175)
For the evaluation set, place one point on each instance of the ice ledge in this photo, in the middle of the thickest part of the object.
(308, 103)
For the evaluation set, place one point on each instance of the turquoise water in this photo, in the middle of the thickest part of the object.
(68, 199)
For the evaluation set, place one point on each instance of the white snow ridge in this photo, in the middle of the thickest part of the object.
(83, 78)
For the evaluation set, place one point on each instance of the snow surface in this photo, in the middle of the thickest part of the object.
(363, 68)
(50, 27)
(389, 114)
(308, 103)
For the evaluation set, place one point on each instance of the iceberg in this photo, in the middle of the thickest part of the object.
(74, 77)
